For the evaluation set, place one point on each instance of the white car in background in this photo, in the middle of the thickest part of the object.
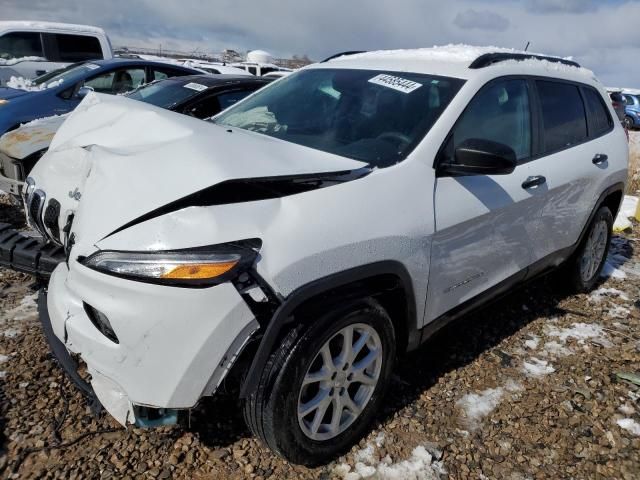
(317, 230)
(30, 49)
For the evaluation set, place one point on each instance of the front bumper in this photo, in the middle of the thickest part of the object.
(175, 344)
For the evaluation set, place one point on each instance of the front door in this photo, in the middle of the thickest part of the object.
(484, 224)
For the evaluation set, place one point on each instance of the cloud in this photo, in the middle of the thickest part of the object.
(594, 32)
(564, 6)
(482, 20)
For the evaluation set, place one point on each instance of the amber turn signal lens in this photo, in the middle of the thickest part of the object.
(199, 271)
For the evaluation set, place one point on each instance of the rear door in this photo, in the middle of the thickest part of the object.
(574, 123)
(485, 224)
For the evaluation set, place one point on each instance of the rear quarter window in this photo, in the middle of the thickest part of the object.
(563, 115)
(600, 121)
(76, 48)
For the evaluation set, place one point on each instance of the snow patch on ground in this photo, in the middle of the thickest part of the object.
(27, 309)
(420, 466)
(627, 409)
(476, 406)
(597, 295)
(630, 425)
(555, 349)
(619, 312)
(532, 342)
(610, 271)
(535, 367)
(580, 332)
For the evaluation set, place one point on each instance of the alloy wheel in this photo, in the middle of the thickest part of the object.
(340, 382)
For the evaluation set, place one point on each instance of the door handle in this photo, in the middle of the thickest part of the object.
(599, 159)
(535, 181)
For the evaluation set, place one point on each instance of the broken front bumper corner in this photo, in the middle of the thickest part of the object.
(101, 391)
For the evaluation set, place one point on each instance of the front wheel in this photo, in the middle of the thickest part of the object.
(585, 265)
(320, 390)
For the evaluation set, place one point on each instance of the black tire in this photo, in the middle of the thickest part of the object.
(272, 412)
(577, 281)
(628, 122)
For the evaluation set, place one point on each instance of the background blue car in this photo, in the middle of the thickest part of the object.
(61, 91)
(632, 111)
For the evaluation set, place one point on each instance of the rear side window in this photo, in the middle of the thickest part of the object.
(161, 74)
(563, 115)
(75, 48)
(20, 44)
(599, 119)
(500, 112)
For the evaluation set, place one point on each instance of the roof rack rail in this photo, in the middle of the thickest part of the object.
(491, 58)
(343, 54)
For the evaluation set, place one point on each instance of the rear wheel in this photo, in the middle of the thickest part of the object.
(320, 390)
(586, 264)
(628, 122)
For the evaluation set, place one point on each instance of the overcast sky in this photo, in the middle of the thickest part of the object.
(602, 35)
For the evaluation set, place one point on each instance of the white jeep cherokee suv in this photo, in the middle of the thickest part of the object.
(317, 230)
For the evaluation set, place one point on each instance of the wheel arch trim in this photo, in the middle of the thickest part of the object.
(317, 287)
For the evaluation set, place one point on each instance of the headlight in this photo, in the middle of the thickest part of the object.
(3, 101)
(199, 267)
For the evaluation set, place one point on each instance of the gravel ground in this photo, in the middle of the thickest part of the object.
(530, 387)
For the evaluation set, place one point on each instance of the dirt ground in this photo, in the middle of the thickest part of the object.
(536, 386)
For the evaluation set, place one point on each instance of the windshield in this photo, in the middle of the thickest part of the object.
(67, 75)
(374, 116)
(167, 93)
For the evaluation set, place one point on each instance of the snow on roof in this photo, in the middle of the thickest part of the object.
(452, 60)
(6, 25)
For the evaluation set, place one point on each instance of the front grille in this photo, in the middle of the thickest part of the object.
(34, 209)
(51, 219)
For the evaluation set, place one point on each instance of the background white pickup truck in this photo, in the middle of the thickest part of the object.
(31, 49)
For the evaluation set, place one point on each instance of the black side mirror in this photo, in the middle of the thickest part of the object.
(84, 91)
(477, 156)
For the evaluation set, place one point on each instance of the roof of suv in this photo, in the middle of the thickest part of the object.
(460, 61)
(34, 25)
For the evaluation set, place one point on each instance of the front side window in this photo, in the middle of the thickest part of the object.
(563, 115)
(373, 116)
(500, 113)
(118, 81)
(74, 48)
(20, 44)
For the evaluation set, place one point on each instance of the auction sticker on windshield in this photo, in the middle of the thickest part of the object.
(397, 83)
(195, 86)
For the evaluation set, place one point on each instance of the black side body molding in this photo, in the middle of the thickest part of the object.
(283, 314)
(250, 190)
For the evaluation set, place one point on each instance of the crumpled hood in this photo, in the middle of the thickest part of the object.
(31, 137)
(115, 159)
